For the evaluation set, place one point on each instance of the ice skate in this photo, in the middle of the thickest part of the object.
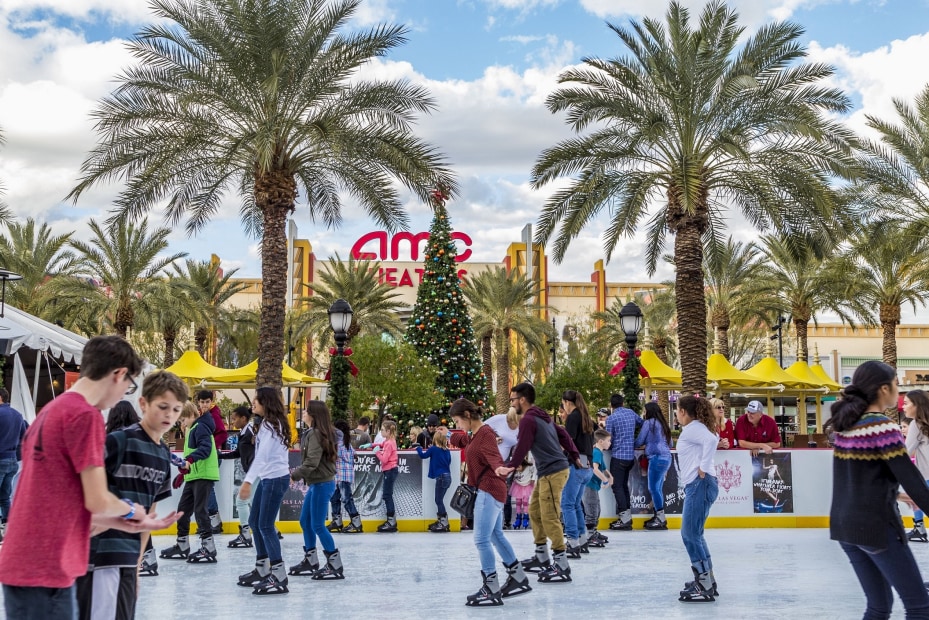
(623, 523)
(516, 580)
(333, 567)
(658, 522)
(440, 526)
(275, 583)
(390, 525)
(699, 590)
(308, 566)
(251, 579)
(713, 590)
(336, 524)
(216, 523)
(354, 527)
(918, 533)
(559, 571)
(488, 595)
(244, 539)
(594, 541)
(539, 561)
(206, 554)
(573, 550)
(149, 565)
(179, 551)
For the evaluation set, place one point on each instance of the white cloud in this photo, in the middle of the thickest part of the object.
(131, 11)
(751, 12)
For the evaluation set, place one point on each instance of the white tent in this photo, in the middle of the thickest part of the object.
(20, 329)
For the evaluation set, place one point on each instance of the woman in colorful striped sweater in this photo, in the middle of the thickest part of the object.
(870, 463)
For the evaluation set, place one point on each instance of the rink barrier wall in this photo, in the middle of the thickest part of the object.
(790, 489)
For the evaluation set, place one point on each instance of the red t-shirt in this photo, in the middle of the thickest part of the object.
(48, 532)
(727, 431)
(765, 432)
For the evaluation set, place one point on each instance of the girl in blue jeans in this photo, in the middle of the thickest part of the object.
(440, 460)
(655, 435)
(916, 408)
(317, 471)
(580, 427)
(696, 451)
(272, 466)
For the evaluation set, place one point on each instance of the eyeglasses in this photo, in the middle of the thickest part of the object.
(514, 398)
(133, 386)
(720, 406)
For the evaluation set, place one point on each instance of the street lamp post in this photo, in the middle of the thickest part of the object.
(630, 319)
(340, 319)
(6, 274)
(778, 330)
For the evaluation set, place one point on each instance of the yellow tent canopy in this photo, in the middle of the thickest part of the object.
(659, 373)
(727, 376)
(802, 371)
(248, 373)
(820, 372)
(191, 367)
(771, 371)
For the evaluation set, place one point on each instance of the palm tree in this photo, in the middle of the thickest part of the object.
(6, 216)
(794, 280)
(116, 277)
(37, 255)
(212, 288)
(891, 266)
(373, 302)
(699, 118)
(175, 305)
(237, 337)
(262, 98)
(503, 305)
(730, 270)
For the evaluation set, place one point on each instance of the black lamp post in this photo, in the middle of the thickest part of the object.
(630, 319)
(6, 274)
(778, 333)
(340, 319)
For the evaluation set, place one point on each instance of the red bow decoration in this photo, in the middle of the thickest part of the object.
(621, 364)
(439, 195)
(345, 353)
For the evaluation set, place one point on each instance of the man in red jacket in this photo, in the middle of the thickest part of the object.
(205, 403)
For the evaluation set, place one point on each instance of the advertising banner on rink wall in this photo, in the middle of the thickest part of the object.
(772, 483)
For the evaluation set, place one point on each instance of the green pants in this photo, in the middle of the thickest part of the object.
(545, 510)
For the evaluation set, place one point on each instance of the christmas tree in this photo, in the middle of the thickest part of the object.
(440, 326)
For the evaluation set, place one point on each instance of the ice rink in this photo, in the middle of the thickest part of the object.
(762, 573)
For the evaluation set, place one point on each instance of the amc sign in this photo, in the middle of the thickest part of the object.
(388, 249)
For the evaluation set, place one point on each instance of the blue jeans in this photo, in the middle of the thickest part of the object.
(265, 505)
(348, 501)
(917, 514)
(40, 603)
(657, 469)
(313, 515)
(699, 496)
(880, 569)
(8, 469)
(387, 491)
(488, 530)
(572, 506)
(442, 483)
(212, 506)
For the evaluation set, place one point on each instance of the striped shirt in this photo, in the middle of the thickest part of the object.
(345, 465)
(137, 469)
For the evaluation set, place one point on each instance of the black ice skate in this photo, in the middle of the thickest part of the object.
(516, 580)
(354, 527)
(700, 590)
(488, 595)
(333, 567)
(244, 539)
(206, 554)
(179, 551)
(308, 566)
(558, 572)
(149, 565)
(539, 562)
(251, 579)
(275, 583)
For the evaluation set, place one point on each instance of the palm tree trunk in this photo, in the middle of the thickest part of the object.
(487, 362)
(170, 336)
(890, 318)
(200, 341)
(123, 320)
(660, 346)
(801, 325)
(691, 306)
(275, 195)
(503, 372)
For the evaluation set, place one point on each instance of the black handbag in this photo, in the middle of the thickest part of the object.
(464, 497)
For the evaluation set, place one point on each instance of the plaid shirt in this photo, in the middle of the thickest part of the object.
(623, 425)
(345, 464)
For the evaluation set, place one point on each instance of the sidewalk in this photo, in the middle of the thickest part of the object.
(762, 574)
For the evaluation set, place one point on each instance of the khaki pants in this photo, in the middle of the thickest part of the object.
(545, 510)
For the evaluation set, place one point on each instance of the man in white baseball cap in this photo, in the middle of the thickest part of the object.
(756, 431)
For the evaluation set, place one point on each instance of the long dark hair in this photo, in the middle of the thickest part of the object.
(920, 400)
(273, 403)
(121, 415)
(573, 396)
(322, 428)
(699, 409)
(653, 412)
(342, 425)
(860, 394)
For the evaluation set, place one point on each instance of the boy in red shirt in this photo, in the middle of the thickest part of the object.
(63, 453)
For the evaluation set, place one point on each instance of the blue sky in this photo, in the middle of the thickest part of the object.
(488, 63)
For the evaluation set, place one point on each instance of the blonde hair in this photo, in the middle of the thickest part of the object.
(440, 439)
(389, 429)
(190, 410)
(512, 418)
(717, 402)
(416, 430)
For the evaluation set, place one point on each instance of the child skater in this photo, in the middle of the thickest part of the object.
(272, 467)
(317, 471)
(440, 460)
(602, 475)
(521, 491)
(696, 449)
(345, 476)
(386, 452)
